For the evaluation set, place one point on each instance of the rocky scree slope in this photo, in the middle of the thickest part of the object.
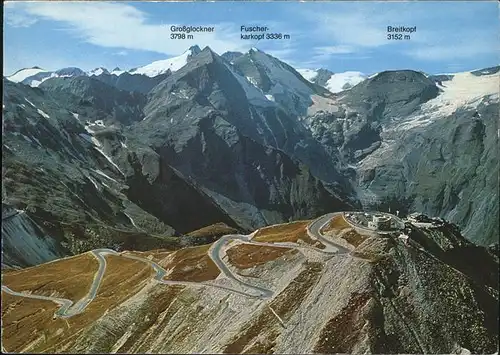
(382, 297)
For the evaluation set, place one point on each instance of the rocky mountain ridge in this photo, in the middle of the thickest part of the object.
(251, 140)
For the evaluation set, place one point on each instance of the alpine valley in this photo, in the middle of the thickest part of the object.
(140, 207)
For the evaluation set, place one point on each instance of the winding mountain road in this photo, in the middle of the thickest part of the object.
(314, 231)
(69, 309)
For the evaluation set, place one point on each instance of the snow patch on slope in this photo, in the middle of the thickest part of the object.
(97, 71)
(308, 74)
(342, 81)
(109, 159)
(464, 90)
(28, 101)
(22, 74)
(162, 66)
(253, 93)
(43, 113)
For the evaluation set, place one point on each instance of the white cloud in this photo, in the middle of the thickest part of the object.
(342, 49)
(18, 18)
(451, 52)
(123, 26)
(361, 28)
(284, 52)
(323, 54)
(353, 29)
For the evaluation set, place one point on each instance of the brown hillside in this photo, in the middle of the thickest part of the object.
(214, 230)
(245, 256)
(290, 232)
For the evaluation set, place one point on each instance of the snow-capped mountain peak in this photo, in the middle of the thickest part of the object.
(308, 74)
(98, 71)
(162, 66)
(343, 81)
(334, 82)
(117, 71)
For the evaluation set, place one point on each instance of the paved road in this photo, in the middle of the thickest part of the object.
(215, 254)
(70, 309)
(314, 231)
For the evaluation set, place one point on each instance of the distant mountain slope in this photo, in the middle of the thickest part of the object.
(82, 92)
(415, 144)
(84, 185)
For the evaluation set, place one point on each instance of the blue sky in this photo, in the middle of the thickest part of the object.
(340, 36)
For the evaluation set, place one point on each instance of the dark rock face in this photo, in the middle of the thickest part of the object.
(231, 56)
(163, 192)
(131, 82)
(87, 95)
(322, 77)
(421, 291)
(392, 94)
(447, 169)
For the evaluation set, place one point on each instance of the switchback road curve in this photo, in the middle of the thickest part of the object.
(69, 309)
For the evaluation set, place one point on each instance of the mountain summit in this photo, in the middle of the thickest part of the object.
(163, 66)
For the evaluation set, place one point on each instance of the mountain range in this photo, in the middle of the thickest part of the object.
(257, 140)
(165, 163)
